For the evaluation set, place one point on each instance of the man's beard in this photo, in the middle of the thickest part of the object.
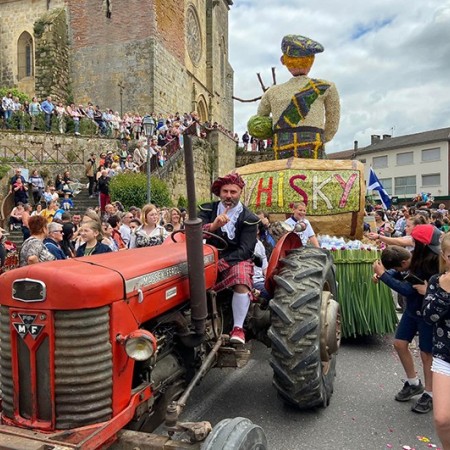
(231, 202)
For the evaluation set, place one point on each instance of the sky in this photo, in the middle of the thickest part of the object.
(390, 60)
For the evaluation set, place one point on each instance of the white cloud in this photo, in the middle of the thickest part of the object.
(389, 60)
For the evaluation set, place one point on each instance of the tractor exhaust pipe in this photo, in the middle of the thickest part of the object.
(194, 242)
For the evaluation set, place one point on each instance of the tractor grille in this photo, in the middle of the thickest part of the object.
(83, 367)
(6, 383)
(82, 370)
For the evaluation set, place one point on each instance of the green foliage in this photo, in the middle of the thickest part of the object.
(15, 92)
(130, 189)
(39, 28)
(182, 202)
(4, 168)
(71, 156)
(45, 172)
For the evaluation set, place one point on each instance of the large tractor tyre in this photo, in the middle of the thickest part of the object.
(236, 434)
(305, 328)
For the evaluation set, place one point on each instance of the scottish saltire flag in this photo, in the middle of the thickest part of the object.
(375, 185)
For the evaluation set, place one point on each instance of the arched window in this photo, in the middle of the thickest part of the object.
(25, 56)
(202, 109)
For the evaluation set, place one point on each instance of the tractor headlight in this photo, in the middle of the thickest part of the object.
(139, 345)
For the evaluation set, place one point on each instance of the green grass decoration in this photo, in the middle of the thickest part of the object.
(366, 308)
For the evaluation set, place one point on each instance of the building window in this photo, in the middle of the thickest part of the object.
(387, 184)
(431, 154)
(202, 109)
(25, 56)
(380, 162)
(405, 185)
(404, 159)
(433, 179)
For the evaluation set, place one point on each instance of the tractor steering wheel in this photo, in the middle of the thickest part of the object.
(222, 240)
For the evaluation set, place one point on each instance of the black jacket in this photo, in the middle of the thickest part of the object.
(99, 248)
(242, 246)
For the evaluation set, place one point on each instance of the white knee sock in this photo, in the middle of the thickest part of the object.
(240, 305)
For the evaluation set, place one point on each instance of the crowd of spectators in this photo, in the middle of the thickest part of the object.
(54, 116)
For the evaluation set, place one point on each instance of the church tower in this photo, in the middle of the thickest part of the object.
(164, 56)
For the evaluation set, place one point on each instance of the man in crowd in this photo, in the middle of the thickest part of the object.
(53, 240)
(125, 229)
(103, 188)
(91, 168)
(48, 108)
(230, 220)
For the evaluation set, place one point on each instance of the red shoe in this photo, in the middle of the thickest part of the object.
(237, 336)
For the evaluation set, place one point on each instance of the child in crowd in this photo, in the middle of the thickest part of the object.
(67, 202)
(437, 313)
(91, 234)
(423, 264)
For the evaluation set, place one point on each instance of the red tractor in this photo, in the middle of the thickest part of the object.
(94, 346)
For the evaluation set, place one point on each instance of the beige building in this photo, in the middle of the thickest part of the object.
(407, 165)
(164, 56)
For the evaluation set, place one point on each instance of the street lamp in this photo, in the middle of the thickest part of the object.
(121, 86)
(149, 127)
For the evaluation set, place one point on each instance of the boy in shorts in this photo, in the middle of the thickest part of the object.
(391, 270)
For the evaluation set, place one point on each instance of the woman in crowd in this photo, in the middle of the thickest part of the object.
(33, 249)
(150, 233)
(61, 116)
(20, 192)
(107, 231)
(91, 235)
(34, 109)
(37, 186)
(115, 222)
(59, 183)
(382, 224)
(437, 313)
(403, 241)
(37, 211)
(174, 220)
(15, 217)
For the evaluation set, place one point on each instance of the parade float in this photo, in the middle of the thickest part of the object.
(334, 192)
(299, 117)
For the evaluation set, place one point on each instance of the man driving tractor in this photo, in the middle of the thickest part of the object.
(230, 220)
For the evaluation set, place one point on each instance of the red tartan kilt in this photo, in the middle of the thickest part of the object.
(240, 273)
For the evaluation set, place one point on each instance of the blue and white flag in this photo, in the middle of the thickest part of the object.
(375, 185)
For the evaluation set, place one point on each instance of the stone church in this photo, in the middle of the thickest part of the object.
(164, 56)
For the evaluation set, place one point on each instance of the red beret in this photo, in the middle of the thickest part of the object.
(232, 178)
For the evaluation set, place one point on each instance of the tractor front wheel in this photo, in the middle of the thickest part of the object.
(305, 328)
(237, 434)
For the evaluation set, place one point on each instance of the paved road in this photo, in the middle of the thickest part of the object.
(363, 414)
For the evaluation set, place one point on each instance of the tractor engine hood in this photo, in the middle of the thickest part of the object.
(98, 280)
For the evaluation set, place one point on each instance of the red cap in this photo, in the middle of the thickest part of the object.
(232, 178)
(428, 235)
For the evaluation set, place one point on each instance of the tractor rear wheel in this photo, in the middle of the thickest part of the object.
(237, 434)
(305, 328)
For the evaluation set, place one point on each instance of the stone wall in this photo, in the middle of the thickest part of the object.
(224, 150)
(55, 154)
(175, 176)
(141, 45)
(245, 158)
(17, 17)
(52, 56)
